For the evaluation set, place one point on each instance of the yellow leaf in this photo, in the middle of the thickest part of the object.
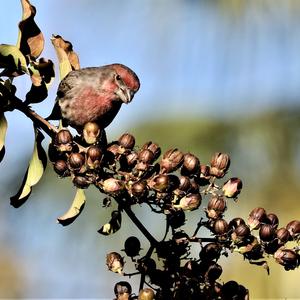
(3, 129)
(74, 210)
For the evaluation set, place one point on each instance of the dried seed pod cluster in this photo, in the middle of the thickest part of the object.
(173, 184)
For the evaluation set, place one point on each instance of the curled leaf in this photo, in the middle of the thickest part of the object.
(31, 40)
(34, 173)
(12, 60)
(113, 225)
(74, 210)
(7, 91)
(68, 59)
(3, 129)
(42, 75)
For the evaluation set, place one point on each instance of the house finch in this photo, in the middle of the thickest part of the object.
(94, 95)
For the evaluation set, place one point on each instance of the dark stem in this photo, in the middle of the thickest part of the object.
(36, 118)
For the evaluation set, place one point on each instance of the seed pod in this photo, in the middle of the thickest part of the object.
(122, 287)
(93, 157)
(191, 164)
(63, 140)
(287, 258)
(146, 294)
(256, 217)
(294, 228)
(91, 132)
(214, 272)
(115, 262)
(154, 148)
(204, 175)
(146, 265)
(160, 183)
(232, 187)
(216, 207)
(273, 220)
(220, 163)
(184, 183)
(81, 182)
(61, 168)
(210, 251)
(220, 227)
(113, 186)
(132, 246)
(146, 156)
(194, 187)
(176, 218)
(266, 232)
(76, 161)
(234, 223)
(131, 159)
(283, 235)
(171, 160)
(240, 233)
(189, 202)
(127, 141)
(232, 290)
(139, 189)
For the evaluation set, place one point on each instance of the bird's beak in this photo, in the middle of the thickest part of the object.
(125, 95)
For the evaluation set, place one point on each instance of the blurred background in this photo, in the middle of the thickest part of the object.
(216, 75)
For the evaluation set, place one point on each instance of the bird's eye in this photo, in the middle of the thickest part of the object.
(118, 77)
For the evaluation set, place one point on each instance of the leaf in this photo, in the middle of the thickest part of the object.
(42, 75)
(68, 59)
(113, 225)
(12, 59)
(7, 91)
(31, 40)
(74, 210)
(3, 129)
(35, 170)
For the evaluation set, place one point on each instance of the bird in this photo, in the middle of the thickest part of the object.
(94, 94)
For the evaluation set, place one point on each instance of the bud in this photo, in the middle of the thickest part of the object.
(240, 233)
(220, 227)
(256, 217)
(194, 187)
(132, 246)
(81, 182)
(93, 157)
(61, 168)
(131, 159)
(234, 223)
(294, 228)
(154, 148)
(91, 132)
(283, 235)
(184, 183)
(113, 186)
(232, 290)
(63, 141)
(191, 164)
(220, 163)
(76, 162)
(287, 258)
(189, 202)
(232, 187)
(171, 160)
(216, 207)
(266, 232)
(146, 294)
(122, 287)
(210, 251)
(127, 141)
(273, 220)
(160, 183)
(115, 262)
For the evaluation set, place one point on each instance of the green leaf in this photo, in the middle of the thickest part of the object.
(113, 225)
(68, 59)
(31, 40)
(34, 173)
(3, 129)
(75, 209)
(12, 59)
